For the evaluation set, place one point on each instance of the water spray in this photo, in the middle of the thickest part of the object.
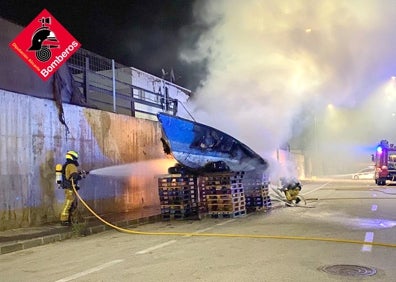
(143, 168)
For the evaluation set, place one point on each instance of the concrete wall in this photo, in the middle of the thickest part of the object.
(33, 141)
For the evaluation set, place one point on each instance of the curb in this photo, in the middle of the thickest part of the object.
(61, 236)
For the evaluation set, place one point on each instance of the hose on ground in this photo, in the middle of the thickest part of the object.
(227, 235)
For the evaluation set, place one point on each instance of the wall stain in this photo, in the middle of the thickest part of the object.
(48, 186)
(29, 197)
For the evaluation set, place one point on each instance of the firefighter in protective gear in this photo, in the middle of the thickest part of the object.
(71, 176)
(291, 187)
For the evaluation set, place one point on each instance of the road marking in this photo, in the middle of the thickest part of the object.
(368, 238)
(199, 231)
(174, 241)
(91, 270)
(210, 228)
(374, 207)
(203, 230)
(155, 247)
(225, 222)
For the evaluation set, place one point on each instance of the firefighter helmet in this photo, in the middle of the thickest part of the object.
(39, 38)
(72, 155)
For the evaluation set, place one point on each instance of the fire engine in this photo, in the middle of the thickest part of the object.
(385, 162)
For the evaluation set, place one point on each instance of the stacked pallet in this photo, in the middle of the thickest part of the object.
(202, 205)
(224, 194)
(178, 197)
(257, 198)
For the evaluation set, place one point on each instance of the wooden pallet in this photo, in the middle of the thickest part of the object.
(227, 214)
(225, 208)
(257, 209)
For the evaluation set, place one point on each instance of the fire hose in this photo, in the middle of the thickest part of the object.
(227, 235)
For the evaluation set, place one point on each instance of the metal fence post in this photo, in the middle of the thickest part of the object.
(86, 79)
(114, 86)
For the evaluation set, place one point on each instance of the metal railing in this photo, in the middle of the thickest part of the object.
(108, 86)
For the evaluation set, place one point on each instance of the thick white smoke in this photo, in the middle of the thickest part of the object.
(268, 60)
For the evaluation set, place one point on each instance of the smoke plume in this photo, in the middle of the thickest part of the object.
(274, 67)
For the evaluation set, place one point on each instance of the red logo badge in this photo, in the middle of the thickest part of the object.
(45, 45)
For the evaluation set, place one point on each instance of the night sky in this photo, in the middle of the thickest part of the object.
(145, 34)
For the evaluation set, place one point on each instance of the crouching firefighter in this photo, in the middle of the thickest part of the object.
(70, 176)
(291, 187)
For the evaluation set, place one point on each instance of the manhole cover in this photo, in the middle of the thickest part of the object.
(349, 270)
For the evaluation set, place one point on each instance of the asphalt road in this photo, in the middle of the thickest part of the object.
(328, 242)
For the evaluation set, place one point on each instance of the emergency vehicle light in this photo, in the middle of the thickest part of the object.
(379, 150)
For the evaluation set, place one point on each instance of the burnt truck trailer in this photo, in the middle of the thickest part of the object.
(385, 162)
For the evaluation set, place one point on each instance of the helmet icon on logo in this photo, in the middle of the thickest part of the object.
(43, 40)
